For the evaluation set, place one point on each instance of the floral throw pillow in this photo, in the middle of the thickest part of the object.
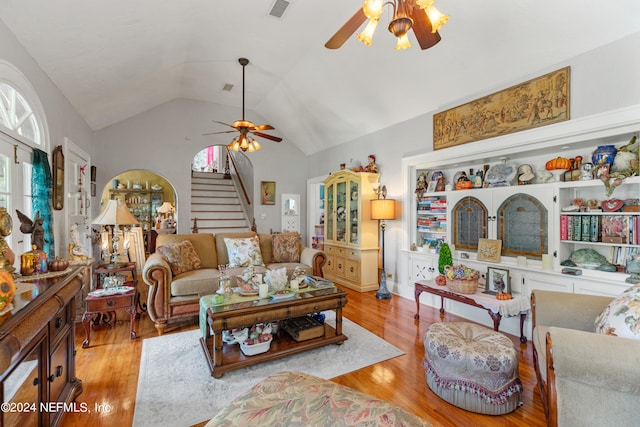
(622, 316)
(182, 257)
(244, 252)
(286, 247)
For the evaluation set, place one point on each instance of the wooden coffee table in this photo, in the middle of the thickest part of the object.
(223, 357)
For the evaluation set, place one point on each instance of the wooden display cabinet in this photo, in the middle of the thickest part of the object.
(351, 237)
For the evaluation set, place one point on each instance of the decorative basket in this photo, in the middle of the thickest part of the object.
(463, 286)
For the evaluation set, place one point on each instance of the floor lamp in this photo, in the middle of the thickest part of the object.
(114, 215)
(383, 209)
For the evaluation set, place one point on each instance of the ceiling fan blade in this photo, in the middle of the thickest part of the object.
(347, 30)
(223, 123)
(422, 29)
(264, 135)
(216, 133)
(263, 127)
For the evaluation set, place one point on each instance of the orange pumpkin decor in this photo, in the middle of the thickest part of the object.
(503, 296)
(7, 289)
(558, 163)
(441, 280)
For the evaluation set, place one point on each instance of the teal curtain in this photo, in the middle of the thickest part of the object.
(41, 187)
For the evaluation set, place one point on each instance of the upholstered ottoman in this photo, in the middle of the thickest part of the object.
(472, 367)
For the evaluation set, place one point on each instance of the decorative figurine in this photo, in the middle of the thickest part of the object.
(35, 228)
(77, 252)
(371, 167)
(7, 257)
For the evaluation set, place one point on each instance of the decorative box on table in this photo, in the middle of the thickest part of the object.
(303, 328)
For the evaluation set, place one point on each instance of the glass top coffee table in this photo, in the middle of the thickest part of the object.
(222, 357)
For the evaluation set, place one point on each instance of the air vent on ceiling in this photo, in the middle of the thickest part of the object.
(279, 6)
(227, 87)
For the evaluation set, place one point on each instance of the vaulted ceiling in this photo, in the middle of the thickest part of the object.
(115, 59)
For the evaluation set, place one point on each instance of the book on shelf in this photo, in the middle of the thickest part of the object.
(577, 228)
(563, 227)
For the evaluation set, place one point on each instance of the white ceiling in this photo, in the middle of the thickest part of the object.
(114, 59)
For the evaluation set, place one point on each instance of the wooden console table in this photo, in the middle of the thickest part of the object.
(222, 357)
(519, 305)
(37, 348)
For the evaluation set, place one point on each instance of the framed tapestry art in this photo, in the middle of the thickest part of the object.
(538, 102)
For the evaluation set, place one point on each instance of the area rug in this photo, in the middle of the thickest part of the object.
(175, 387)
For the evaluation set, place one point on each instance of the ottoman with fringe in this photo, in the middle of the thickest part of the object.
(472, 367)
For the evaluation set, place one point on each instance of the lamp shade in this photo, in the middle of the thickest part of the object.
(115, 213)
(166, 208)
(383, 209)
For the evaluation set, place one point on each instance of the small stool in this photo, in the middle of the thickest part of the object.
(472, 367)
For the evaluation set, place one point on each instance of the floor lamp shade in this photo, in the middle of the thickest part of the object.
(382, 209)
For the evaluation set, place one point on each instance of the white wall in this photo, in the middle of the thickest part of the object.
(165, 139)
(603, 79)
(62, 119)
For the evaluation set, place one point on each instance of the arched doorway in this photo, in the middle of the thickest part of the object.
(144, 192)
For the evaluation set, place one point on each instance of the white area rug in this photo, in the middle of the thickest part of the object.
(175, 387)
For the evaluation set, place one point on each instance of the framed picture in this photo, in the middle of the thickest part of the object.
(548, 102)
(58, 178)
(497, 281)
(431, 187)
(267, 192)
(489, 250)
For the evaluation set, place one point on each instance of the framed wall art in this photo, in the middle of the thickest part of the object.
(267, 192)
(537, 102)
(497, 281)
(489, 250)
(58, 178)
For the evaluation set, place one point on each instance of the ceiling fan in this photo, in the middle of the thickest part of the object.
(245, 141)
(421, 16)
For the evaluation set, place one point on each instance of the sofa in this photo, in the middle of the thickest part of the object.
(584, 378)
(299, 399)
(185, 266)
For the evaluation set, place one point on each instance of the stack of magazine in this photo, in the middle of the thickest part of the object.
(317, 282)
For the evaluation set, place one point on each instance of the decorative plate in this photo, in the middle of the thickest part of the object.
(436, 175)
(283, 294)
(612, 205)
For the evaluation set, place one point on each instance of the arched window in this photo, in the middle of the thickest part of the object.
(17, 115)
(22, 129)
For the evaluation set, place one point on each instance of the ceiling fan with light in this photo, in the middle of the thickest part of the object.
(421, 16)
(245, 141)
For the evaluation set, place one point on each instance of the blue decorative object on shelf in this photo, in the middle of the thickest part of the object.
(604, 154)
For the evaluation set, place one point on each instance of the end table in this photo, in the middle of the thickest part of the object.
(96, 305)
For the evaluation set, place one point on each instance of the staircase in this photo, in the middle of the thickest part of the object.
(216, 204)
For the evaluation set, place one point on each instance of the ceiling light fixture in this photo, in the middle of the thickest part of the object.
(419, 15)
(244, 141)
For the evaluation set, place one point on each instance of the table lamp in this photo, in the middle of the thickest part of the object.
(383, 209)
(167, 210)
(114, 215)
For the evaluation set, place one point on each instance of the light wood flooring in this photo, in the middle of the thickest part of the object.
(109, 368)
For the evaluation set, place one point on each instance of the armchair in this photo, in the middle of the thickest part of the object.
(584, 378)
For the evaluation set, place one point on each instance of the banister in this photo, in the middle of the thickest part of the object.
(244, 191)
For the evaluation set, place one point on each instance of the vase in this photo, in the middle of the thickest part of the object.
(604, 154)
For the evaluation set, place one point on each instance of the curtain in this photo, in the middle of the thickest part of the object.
(41, 185)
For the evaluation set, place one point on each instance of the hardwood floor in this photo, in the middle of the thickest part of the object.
(109, 368)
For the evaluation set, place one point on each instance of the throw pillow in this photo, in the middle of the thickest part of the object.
(622, 316)
(244, 252)
(286, 247)
(182, 256)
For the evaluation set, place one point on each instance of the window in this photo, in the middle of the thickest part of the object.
(17, 115)
(22, 128)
